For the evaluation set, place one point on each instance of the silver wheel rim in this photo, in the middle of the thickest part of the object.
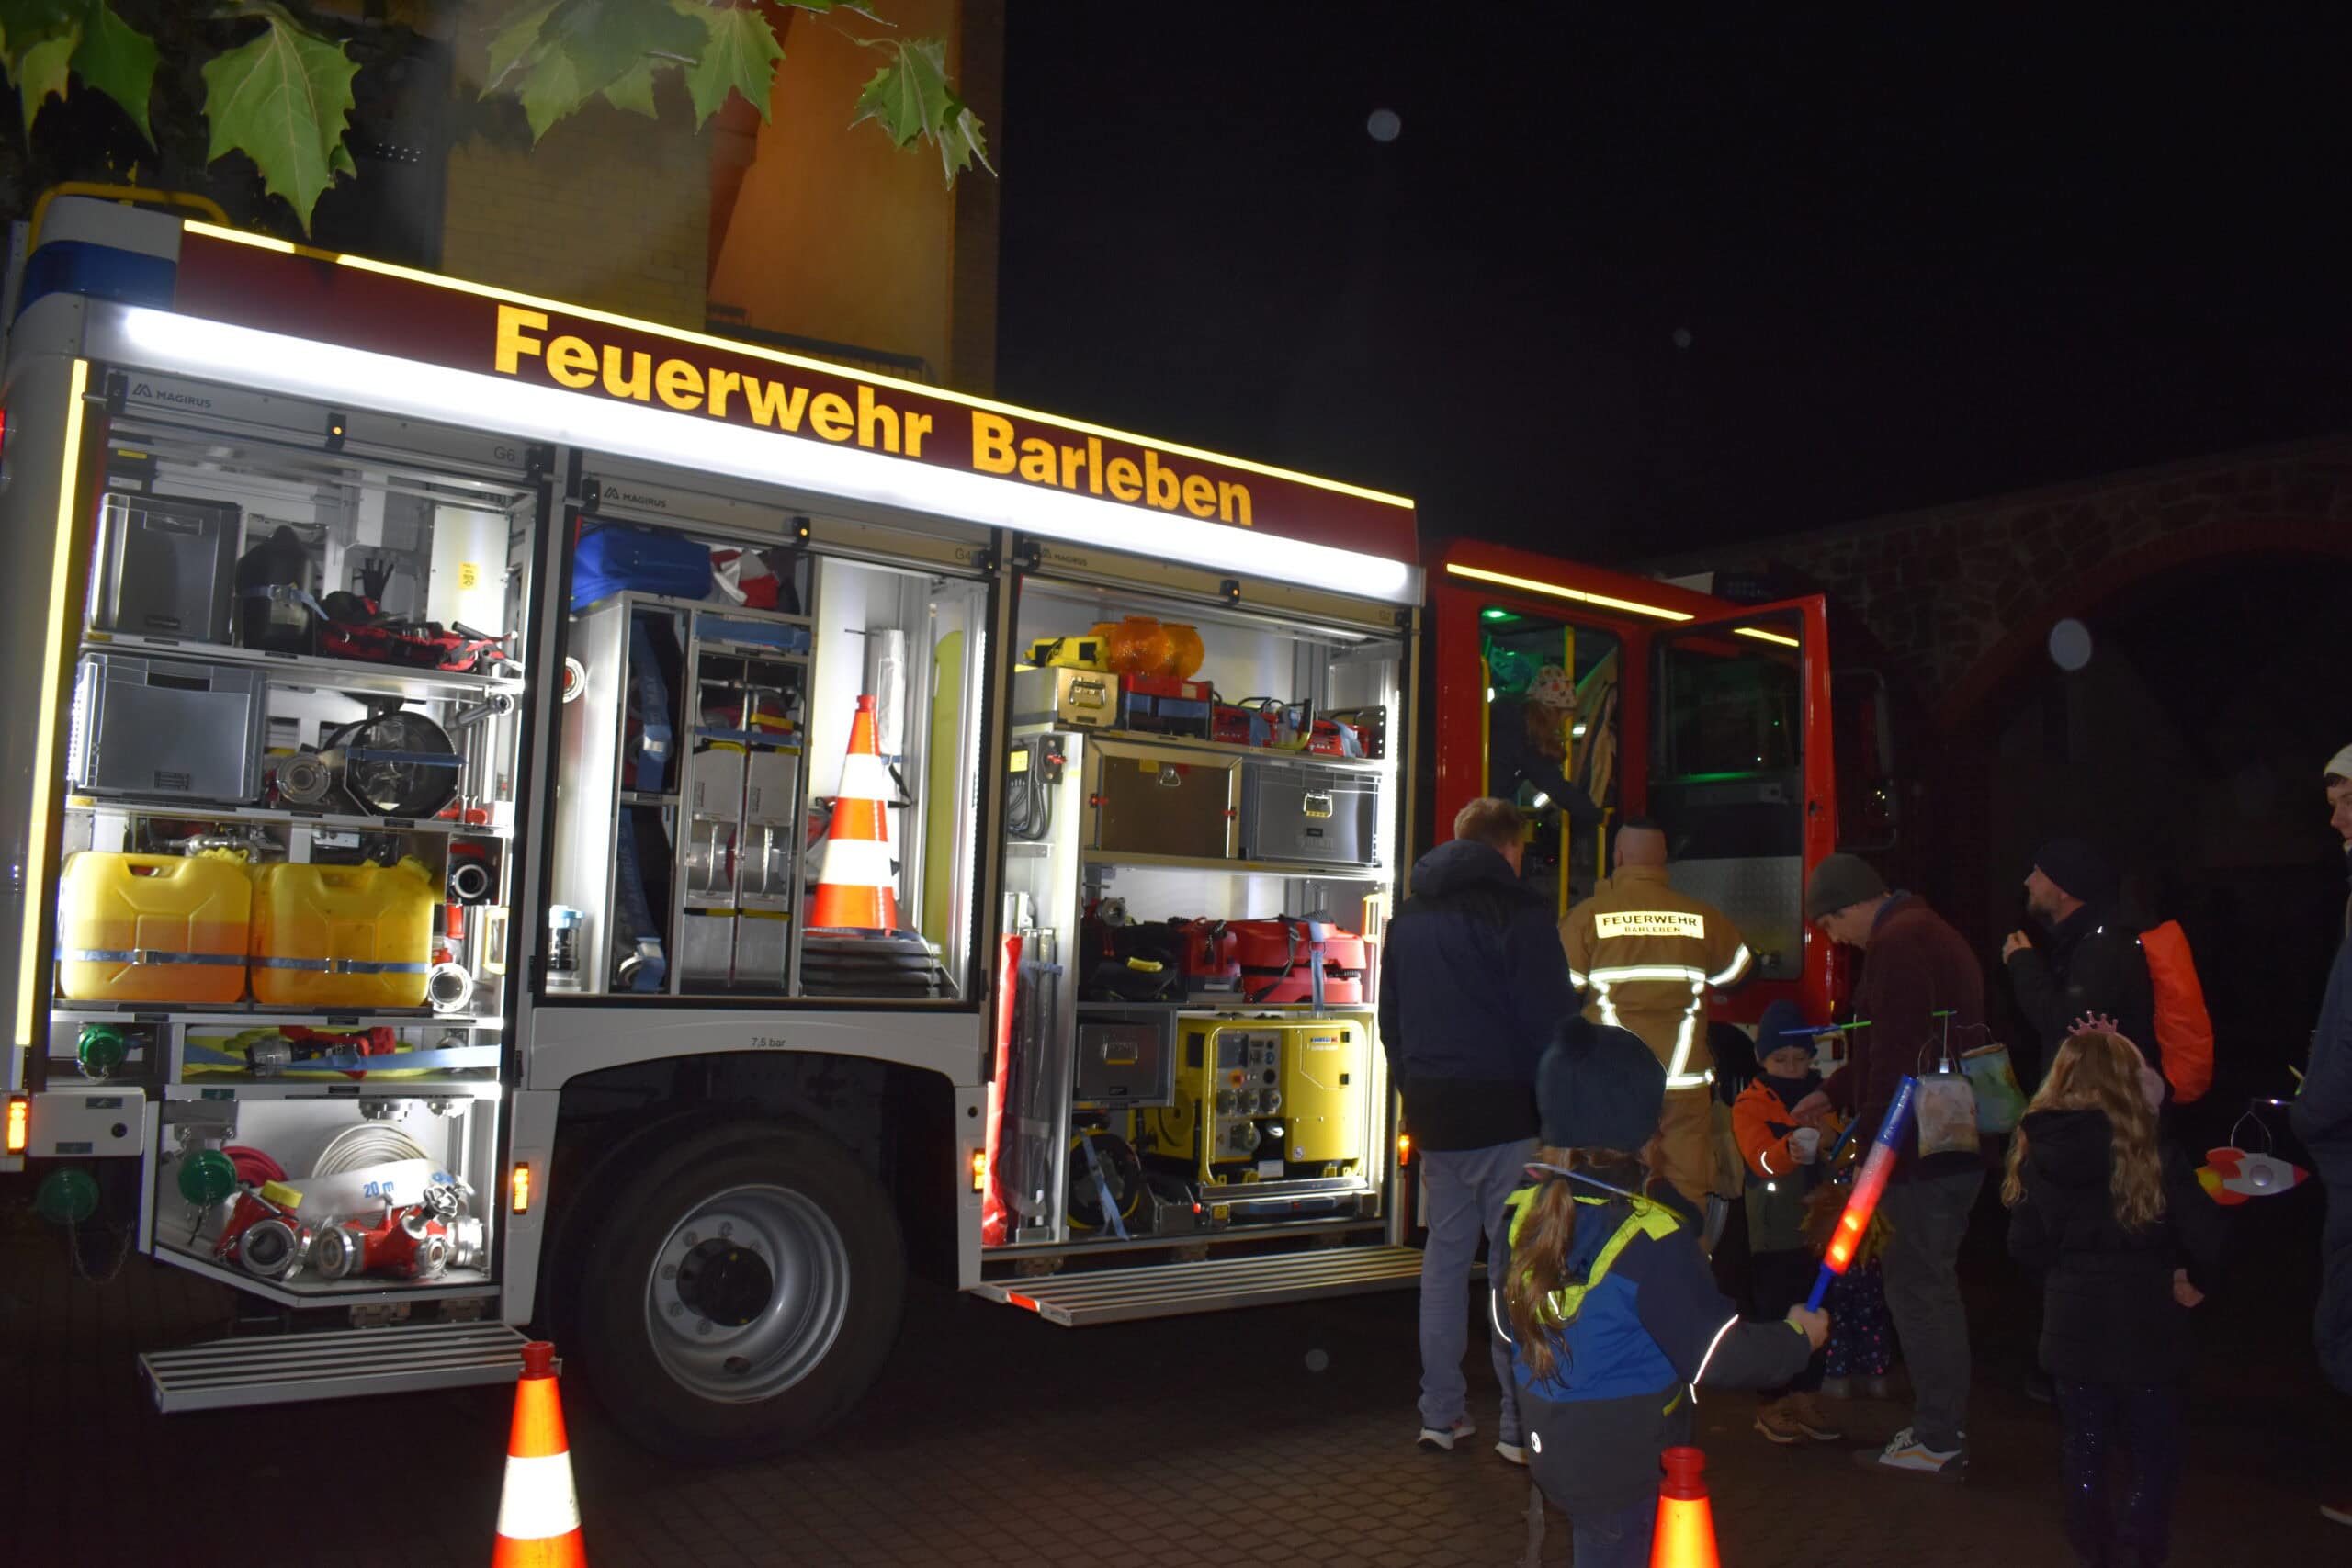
(782, 1341)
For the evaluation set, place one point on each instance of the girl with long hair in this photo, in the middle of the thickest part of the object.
(2126, 1242)
(1615, 1322)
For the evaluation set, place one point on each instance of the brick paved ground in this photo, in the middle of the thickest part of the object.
(993, 1438)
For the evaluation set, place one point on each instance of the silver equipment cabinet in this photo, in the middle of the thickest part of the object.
(680, 812)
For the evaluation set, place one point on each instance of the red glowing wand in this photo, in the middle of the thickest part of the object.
(1876, 1167)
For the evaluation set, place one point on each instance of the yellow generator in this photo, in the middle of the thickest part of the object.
(1271, 1094)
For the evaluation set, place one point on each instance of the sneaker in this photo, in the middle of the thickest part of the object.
(1908, 1454)
(1440, 1441)
(1837, 1388)
(1513, 1453)
(1804, 1410)
(1778, 1425)
(2340, 1510)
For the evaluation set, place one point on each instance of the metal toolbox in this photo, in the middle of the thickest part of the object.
(1124, 1060)
(162, 727)
(1161, 800)
(1302, 811)
(1062, 695)
(166, 566)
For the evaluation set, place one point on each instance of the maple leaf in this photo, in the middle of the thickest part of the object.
(550, 89)
(910, 98)
(740, 56)
(120, 60)
(24, 22)
(283, 99)
(41, 71)
(512, 42)
(605, 40)
(634, 91)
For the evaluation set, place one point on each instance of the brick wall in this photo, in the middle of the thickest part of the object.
(1944, 592)
(611, 209)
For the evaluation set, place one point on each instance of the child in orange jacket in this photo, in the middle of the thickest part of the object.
(1784, 1165)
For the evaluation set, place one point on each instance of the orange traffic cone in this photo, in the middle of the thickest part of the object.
(1685, 1537)
(857, 889)
(538, 1513)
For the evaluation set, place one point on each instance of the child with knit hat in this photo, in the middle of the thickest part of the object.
(1615, 1320)
(1785, 1163)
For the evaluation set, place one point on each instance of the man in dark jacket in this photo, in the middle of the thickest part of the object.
(1473, 987)
(2322, 1117)
(2088, 963)
(1915, 969)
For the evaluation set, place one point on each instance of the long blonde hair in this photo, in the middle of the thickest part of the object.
(1539, 1256)
(2098, 1071)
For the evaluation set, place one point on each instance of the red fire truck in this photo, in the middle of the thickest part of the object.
(524, 816)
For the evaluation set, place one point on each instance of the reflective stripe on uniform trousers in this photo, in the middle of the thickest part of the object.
(1685, 1030)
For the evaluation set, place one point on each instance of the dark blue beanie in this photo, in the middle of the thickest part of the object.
(1783, 1023)
(1598, 1088)
(2079, 870)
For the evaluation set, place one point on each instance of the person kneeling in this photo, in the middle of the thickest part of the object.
(1615, 1320)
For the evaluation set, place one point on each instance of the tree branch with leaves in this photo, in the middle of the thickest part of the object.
(276, 86)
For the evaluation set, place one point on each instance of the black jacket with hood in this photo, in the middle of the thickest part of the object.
(2092, 962)
(2108, 1314)
(1472, 987)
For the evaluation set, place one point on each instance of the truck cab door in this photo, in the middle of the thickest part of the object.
(1741, 779)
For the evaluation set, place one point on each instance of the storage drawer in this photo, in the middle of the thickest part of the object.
(1161, 800)
(772, 787)
(159, 727)
(1298, 811)
(1124, 1059)
(715, 783)
(165, 565)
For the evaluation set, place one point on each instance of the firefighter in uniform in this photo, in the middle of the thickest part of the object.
(1645, 956)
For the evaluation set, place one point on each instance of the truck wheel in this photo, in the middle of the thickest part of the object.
(740, 1293)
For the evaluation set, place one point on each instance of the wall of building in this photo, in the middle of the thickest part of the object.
(802, 225)
(1943, 591)
(610, 210)
(836, 234)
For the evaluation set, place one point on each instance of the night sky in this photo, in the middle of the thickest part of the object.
(1625, 284)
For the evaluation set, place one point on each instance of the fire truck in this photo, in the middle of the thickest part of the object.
(523, 817)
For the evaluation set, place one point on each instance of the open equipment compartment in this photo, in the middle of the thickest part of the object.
(1202, 820)
(727, 656)
(286, 864)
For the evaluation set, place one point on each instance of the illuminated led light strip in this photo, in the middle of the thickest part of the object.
(1560, 590)
(777, 357)
(52, 668)
(1766, 636)
(300, 367)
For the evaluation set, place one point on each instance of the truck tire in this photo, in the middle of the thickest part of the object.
(741, 1292)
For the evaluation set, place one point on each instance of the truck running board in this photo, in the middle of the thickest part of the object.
(1171, 1290)
(289, 1368)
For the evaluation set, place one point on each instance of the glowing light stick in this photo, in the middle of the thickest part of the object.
(1876, 1167)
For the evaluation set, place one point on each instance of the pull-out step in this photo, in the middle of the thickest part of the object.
(287, 1368)
(1171, 1290)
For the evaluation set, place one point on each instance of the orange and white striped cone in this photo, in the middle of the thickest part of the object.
(1685, 1537)
(857, 890)
(538, 1511)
